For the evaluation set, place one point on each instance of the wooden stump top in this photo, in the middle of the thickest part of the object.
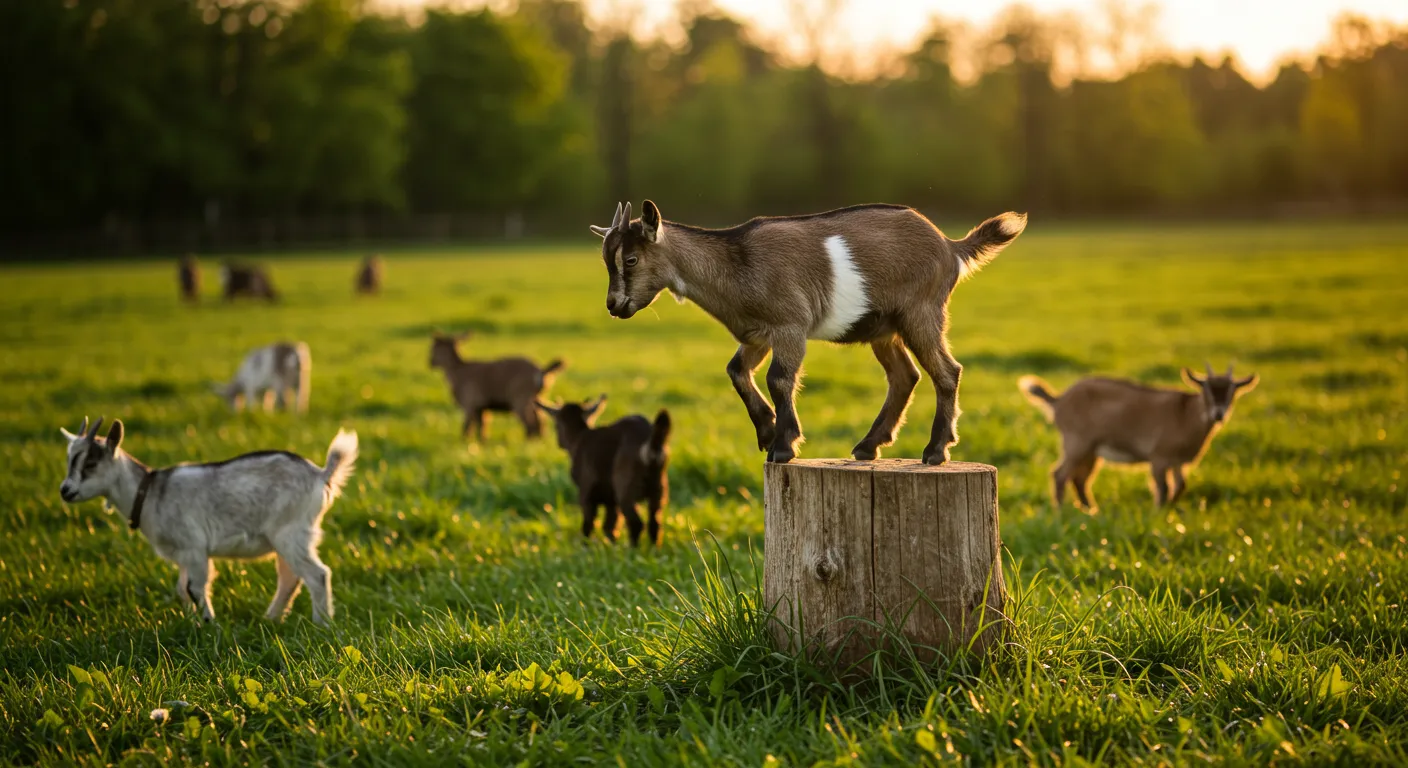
(890, 465)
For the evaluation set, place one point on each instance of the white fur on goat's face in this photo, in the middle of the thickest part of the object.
(637, 265)
(91, 469)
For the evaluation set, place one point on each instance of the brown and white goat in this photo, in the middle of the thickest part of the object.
(508, 385)
(278, 373)
(1128, 423)
(188, 278)
(876, 274)
(246, 280)
(369, 276)
(616, 466)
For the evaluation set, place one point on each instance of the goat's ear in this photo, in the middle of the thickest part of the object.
(1247, 384)
(548, 409)
(115, 435)
(600, 232)
(1192, 379)
(650, 221)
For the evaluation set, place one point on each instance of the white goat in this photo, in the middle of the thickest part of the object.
(272, 371)
(248, 507)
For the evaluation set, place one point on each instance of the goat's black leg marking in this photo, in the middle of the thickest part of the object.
(925, 338)
(741, 368)
(783, 377)
(1159, 474)
(1178, 483)
(903, 377)
(608, 522)
(654, 505)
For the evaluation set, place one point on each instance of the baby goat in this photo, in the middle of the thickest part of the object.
(1128, 423)
(617, 465)
(878, 274)
(248, 507)
(509, 385)
(188, 277)
(272, 371)
(246, 280)
(369, 276)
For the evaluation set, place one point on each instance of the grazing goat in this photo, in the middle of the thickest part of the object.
(369, 276)
(617, 465)
(879, 274)
(1128, 423)
(248, 507)
(246, 280)
(188, 277)
(272, 371)
(509, 385)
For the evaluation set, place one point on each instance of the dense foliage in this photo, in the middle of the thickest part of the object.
(130, 111)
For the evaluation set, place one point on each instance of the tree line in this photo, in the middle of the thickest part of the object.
(125, 111)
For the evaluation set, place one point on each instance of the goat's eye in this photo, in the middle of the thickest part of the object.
(632, 260)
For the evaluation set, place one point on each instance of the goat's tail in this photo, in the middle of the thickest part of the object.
(305, 375)
(655, 451)
(545, 376)
(1039, 393)
(342, 459)
(985, 241)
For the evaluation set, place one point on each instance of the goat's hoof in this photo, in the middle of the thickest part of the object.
(865, 452)
(936, 457)
(781, 455)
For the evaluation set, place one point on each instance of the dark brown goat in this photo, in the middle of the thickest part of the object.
(188, 277)
(246, 280)
(617, 465)
(369, 276)
(509, 385)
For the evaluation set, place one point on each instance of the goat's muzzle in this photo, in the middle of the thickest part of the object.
(619, 309)
(68, 494)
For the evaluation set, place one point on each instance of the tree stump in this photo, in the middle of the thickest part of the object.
(853, 547)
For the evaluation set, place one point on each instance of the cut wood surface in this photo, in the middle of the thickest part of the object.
(854, 546)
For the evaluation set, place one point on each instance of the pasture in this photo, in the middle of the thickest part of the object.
(1262, 619)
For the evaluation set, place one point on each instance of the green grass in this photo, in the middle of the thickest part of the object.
(1263, 619)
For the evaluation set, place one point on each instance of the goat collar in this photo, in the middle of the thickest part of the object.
(146, 485)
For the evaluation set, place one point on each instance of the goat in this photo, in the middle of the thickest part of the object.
(246, 280)
(880, 274)
(188, 277)
(248, 507)
(1128, 423)
(369, 276)
(617, 465)
(272, 371)
(508, 385)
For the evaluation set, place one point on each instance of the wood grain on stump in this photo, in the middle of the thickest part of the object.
(887, 541)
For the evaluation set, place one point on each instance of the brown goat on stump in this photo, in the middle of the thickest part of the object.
(246, 280)
(188, 277)
(617, 466)
(369, 276)
(509, 385)
(878, 274)
(1128, 423)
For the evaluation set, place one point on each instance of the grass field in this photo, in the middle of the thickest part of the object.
(1263, 619)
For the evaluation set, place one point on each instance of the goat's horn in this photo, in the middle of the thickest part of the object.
(83, 430)
(1229, 370)
(96, 427)
(626, 215)
(616, 220)
(1208, 366)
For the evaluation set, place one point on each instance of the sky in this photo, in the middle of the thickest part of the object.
(1259, 33)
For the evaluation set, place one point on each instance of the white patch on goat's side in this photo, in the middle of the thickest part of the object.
(848, 295)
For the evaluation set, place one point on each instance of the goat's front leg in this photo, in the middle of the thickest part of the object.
(924, 335)
(784, 375)
(589, 507)
(741, 368)
(634, 525)
(1159, 473)
(903, 377)
(198, 573)
(181, 582)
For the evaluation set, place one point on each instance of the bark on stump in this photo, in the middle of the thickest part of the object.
(887, 541)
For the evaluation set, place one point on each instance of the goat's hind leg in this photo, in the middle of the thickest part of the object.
(741, 368)
(296, 547)
(285, 592)
(924, 335)
(903, 377)
(198, 575)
